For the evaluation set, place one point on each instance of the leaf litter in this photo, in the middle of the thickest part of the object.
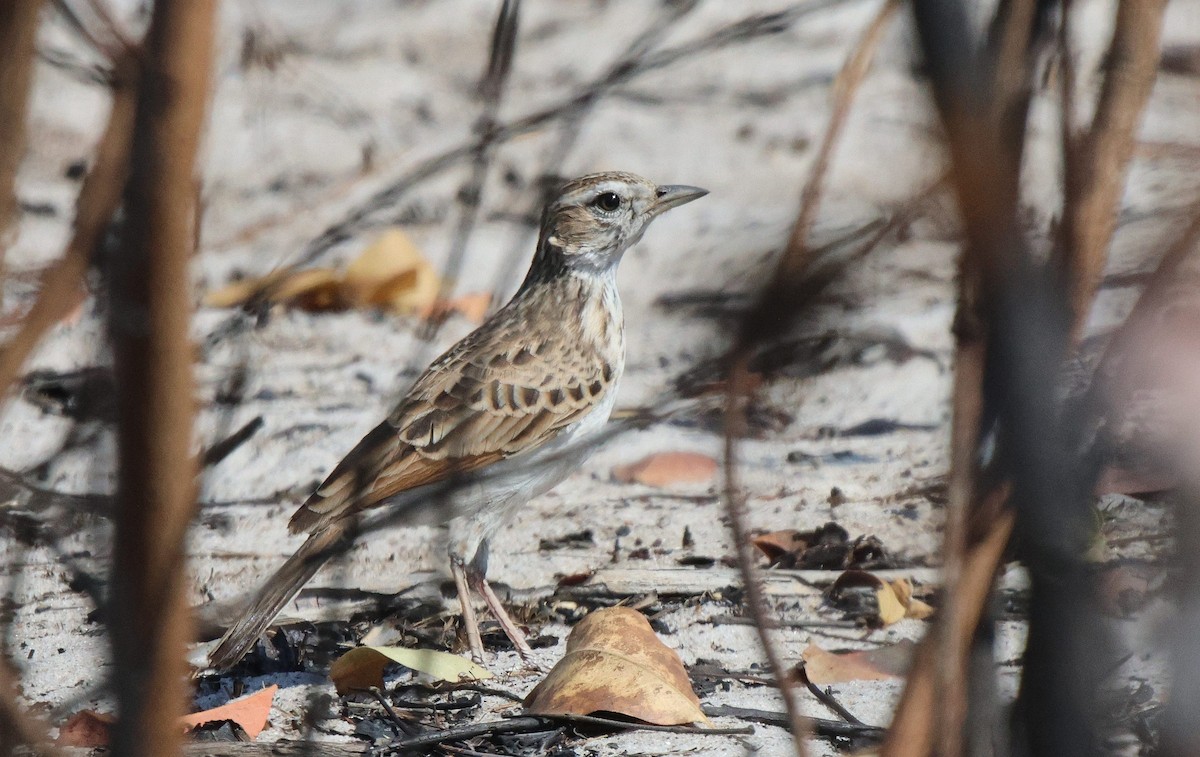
(615, 663)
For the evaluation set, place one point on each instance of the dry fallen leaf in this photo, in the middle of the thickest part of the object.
(913, 608)
(362, 667)
(615, 663)
(473, 307)
(824, 667)
(826, 548)
(390, 274)
(249, 712)
(666, 468)
(778, 544)
(863, 593)
(88, 728)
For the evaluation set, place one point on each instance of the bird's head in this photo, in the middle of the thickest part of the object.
(595, 218)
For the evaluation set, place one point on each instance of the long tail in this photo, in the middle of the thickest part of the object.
(277, 592)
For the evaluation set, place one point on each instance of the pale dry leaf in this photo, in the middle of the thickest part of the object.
(362, 667)
(892, 602)
(309, 288)
(823, 667)
(615, 663)
(913, 608)
(668, 468)
(392, 274)
(473, 307)
(891, 609)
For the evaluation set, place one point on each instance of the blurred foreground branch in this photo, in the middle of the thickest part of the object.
(18, 32)
(149, 313)
(61, 285)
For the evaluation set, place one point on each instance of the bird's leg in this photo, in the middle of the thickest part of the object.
(506, 624)
(477, 577)
(459, 571)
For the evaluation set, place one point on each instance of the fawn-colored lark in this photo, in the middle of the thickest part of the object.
(503, 416)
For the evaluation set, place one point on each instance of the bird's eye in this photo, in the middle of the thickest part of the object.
(607, 201)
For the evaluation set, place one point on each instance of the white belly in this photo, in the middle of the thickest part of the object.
(484, 505)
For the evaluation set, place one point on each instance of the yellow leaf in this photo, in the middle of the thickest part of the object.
(362, 667)
(393, 274)
(615, 663)
(311, 286)
(891, 609)
(913, 608)
(894, 600)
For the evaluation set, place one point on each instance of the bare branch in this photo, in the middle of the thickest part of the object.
(61, 287)
(1097, 168)
(149, 303)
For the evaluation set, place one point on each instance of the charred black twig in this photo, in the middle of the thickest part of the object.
(538, 723)
(399, 724)
(818, 726)
(826, 698)
(225, 447)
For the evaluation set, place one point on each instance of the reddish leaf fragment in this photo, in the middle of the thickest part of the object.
(881, 664)
(86, 728)
(667, 468)
(249, 712)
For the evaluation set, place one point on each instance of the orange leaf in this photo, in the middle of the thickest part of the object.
(86, 728)
(248, 712)
(666, 468)
(779, 543)
(824, 667)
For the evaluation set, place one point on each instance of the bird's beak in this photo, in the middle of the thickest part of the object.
(673, 195)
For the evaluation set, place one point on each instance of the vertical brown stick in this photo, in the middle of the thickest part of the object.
(148, 322)
(1096, 175)
(18, 31)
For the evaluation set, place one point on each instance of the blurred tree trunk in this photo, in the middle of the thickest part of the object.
(149, 311)
(18, 34)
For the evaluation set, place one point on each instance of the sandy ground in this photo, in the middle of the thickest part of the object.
(364, 90)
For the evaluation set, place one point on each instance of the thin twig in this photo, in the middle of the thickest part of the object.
(737, 395)
(536, 723)
(826, 698)
(775, 310)
(819, 726)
